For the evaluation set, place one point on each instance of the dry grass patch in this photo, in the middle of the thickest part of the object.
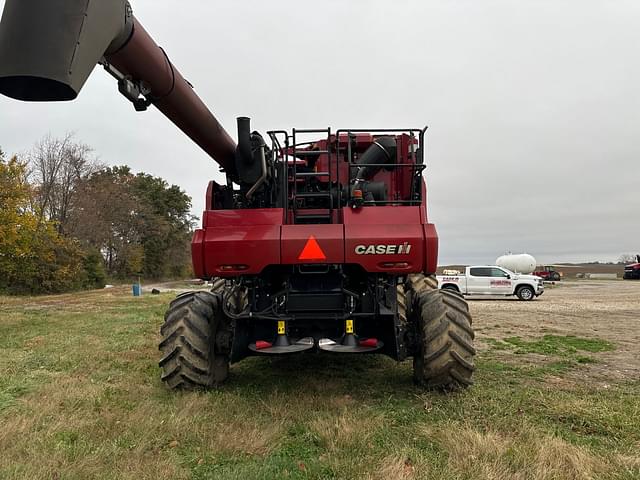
(215, 430)
(396, 467)
(242, 438)
(525, 454)
(68, 429)
(346, 431)
(630, 462)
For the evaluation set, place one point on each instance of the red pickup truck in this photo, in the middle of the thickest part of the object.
(632, 271)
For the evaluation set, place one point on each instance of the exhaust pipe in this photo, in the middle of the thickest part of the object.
(48, 49)
(251, 163)
(244, 140)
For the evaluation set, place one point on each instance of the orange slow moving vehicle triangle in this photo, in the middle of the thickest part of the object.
(312, 250)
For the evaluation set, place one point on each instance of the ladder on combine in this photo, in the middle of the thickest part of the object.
(306, 215)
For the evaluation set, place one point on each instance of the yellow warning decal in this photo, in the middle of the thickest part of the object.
(281, 327)
(349, 326)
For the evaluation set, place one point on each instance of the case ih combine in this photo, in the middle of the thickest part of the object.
(319, 239)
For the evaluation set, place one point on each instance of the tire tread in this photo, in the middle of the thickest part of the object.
(444, 357)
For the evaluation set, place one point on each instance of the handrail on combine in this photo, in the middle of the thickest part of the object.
(417, 165)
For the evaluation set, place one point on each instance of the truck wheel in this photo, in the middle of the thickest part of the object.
(444, 356)
(450, 287)
(525, 292)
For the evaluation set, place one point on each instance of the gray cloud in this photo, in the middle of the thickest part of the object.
(533, 106)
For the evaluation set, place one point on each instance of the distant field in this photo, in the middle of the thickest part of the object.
(568, 271)
(557, 396)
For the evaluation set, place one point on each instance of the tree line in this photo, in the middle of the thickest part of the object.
(68, 222)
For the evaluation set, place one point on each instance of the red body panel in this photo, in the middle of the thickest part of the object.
(391, 215)
(250, 248)
(330, 239)
(197, 254)
(431, 249)
(247, 239)
(384, 226)
(258, 216)
(254, 239)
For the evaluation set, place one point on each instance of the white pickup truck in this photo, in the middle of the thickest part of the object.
(492, 280)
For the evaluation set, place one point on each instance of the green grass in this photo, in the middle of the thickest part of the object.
(80, 397)
(560, 354)
(559, 345)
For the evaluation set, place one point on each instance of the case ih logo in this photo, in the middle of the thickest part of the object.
(402, 249)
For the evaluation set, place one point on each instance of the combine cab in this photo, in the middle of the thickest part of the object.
(318, 241)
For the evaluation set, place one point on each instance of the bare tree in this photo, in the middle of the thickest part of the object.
(56, 167)
(627, 258)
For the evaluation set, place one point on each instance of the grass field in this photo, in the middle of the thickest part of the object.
(80, 397)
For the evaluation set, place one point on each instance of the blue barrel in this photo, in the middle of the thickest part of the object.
(137, 289)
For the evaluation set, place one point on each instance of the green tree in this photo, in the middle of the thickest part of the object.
(17, 226)
(167, 227)
(34, 258)
(140, 224)
(94, 273)
(107, 219)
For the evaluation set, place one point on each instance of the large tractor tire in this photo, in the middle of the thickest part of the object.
(187, 346)
(422, 283)
(196, 337)
(443, 359)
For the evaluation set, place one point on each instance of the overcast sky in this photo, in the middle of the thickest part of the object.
(533, 106)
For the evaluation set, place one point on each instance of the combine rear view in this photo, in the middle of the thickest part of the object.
(318, 240)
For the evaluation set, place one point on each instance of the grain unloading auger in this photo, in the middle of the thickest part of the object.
(318, 241)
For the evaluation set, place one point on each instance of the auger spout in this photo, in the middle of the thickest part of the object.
(48, 49)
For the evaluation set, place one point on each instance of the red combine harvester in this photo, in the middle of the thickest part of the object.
(318, 241)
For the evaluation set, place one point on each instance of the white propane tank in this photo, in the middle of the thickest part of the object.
(523, 263)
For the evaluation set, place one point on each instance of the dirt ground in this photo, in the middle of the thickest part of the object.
(606, 310)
